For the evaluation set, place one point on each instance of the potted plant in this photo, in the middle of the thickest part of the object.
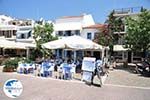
(8, 66)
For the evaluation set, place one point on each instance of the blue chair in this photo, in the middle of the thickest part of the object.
(45, 66)
(67, 71)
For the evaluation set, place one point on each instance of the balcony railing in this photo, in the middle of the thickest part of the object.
(132, 10)
(128, 10)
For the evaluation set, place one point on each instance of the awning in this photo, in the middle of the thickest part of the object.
(15, 45)
(8, 27)
(24, 31)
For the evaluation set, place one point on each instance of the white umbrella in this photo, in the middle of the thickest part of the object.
(72, 42)
(57, 44)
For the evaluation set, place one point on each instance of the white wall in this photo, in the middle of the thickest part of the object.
(5, 19)
(87, 20)
(85, 31)
(73, 23)
(68, 26)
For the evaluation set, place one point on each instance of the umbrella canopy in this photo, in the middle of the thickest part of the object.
(57, 44)
(15, 45)
(73, 42)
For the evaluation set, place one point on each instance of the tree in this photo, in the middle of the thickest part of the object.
(138, 32)
(43, 34)
(102, 37)
(115, 24)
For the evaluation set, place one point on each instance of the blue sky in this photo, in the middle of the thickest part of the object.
(52, 9)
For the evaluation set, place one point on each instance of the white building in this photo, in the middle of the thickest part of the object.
(90, 31)
(20, 30)
(16, 31)
(83, 26)
(72, 25)
(5, 19)
(7, 31)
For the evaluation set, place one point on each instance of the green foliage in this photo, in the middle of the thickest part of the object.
(27, 61)
(42, 34)
(103, 38)
(11, 64)
(110, 27)
(115, 24)
(138, 32)
(35, 54)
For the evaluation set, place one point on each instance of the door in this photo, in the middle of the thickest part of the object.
(129, 56)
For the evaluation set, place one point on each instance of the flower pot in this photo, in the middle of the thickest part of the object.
(8, 69)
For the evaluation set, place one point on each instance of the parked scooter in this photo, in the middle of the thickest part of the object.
(143, 68)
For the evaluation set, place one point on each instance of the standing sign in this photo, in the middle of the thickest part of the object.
(88, 67)
(88, 64)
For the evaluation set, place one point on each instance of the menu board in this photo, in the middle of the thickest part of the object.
(87, 76)
(88, 64)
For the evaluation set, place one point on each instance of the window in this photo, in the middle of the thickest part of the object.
(1, 33)
(60, 33)
(77, 32)
(14, 32)
(8, 34)
(29, 34)
(22, 36)
(89, 35)
(68, 33)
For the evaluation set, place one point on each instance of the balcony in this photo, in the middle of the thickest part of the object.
(127, 11)
(123, 32)
(67, 33)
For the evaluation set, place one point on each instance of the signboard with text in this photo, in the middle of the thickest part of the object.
(87, 76)
(88, 64)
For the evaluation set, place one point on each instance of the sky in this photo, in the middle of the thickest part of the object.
(53, 9)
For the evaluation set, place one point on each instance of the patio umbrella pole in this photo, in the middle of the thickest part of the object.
(3, 51)
(75, 55)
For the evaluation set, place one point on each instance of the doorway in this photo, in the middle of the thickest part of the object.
(129, 56)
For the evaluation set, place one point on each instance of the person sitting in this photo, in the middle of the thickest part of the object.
(60, 71)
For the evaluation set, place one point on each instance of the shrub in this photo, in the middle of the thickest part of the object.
(11, 65)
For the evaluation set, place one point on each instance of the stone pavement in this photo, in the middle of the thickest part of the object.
(37, 88)
(127, 77)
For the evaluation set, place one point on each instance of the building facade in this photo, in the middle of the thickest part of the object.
(20, 30)
(83, 26)
(17, 31)
(121, 53)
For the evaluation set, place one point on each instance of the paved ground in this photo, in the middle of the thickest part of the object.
(36, 88)
(127, 77)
